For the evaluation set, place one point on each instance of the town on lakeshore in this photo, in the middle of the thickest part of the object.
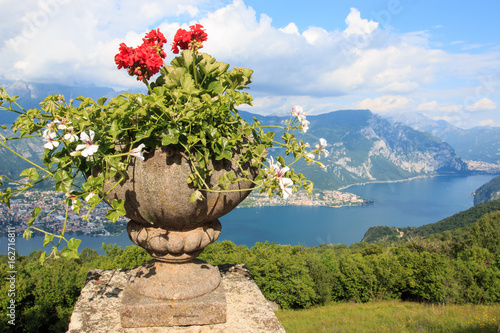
(87, 223)
(327, 198)
(97, 224)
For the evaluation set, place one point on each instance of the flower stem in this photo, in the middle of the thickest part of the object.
(194, 67)
(24, 158)
(147, 85)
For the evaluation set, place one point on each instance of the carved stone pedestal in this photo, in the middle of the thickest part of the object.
(157, 296)
(98, 307)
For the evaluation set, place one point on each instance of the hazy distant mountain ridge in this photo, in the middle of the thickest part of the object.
(31, 94)
(476, 144)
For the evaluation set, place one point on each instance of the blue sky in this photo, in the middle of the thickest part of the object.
(439, 58)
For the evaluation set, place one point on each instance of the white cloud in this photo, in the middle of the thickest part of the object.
(428, 106)
(291, 29)
(316, 36)
(75, 43)
(358, 26)
(482, 104)
(487, 122)
(450, 108)
(384, 103)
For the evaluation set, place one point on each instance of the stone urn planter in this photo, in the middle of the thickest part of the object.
(175, 288)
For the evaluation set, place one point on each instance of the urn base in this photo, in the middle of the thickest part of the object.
(141, 311)
(166, 294)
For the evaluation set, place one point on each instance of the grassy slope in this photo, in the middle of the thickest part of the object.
(392, 316)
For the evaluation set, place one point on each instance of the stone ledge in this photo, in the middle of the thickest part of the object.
(98, 307)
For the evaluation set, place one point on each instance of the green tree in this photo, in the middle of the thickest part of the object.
(282, 275)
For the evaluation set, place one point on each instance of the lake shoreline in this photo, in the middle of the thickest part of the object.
(389, 181)
(403, 204)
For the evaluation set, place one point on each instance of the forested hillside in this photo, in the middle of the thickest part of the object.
(452, 267)
(487, 192)
(459, 220)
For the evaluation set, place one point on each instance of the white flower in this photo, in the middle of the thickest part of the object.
(285, 184)
(89, 147)
(49, 137)
(70, 136)
(273, 167)
(73, 199)
(89, 196)
(299, 113)
(321, 147)
(304, 126)
(281, 172)
(311, 156)
(137, 151)
(51, 126)
(62, 124)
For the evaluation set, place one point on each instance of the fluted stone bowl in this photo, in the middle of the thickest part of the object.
(157, 201)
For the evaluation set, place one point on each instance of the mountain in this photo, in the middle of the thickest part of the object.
(31, 94)
(487, 192)
(364, 147)
(12, 165)
(476, 144)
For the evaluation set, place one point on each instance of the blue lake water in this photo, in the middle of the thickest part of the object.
(401, 204)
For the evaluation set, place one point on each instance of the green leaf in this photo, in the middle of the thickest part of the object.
(31, 173)
(170, 138)
(216, 87)
(197, 195)
(223, 181)
(187, 82)
(63, 181)
(117, 210)
(102, 100)
(5, 196)
(115, 129)
(42, 258)
(34, 215)
(27, 233)
(47, 239)
(73, 244)
(71, 252)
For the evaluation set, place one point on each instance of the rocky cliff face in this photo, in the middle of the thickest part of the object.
(364, 147)
(410, 150)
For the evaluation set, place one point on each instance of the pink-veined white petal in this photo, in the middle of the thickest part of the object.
(89, 148)
(49, 138)
(70, 136)
(285, 184)
(137, 151)
(304, 126)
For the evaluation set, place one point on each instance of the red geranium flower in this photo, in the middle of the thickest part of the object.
(145, 60)
(188, 40)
